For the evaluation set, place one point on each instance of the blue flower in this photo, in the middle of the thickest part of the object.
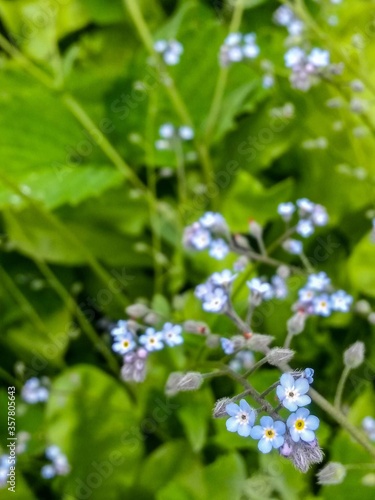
(215, 301)
(341, 301)
(269, 433)
(318, 282)
(322, 305)
(260, 288)
(227, 345)
(124, 344)
(241, 419)
(292, 393)
(223, 279)
(121, 329)
(213, 221)
(200, 239)
(152, 340)
(48, 471)
(172, 334)
(219, 249)
(305, 228)
(308, 373)
(302, 425)
(294, 247)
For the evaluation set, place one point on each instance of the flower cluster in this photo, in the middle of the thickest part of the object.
(368, 424)
(307, 68)
(261, 290)
(134, 342)
(318, 298)
(299, 428)
(284, 16)
(170, 51)
(214, 293)
(35, 390)
(168, 133)
(210, 233)
(237, 47)
(58, 466)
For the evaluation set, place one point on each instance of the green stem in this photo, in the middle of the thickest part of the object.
(181, 177)
(25, 305)
(221, 82)
(340, 388)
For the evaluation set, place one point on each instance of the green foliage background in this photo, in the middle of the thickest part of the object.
(82, 238)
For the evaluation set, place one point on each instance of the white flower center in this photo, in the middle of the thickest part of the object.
(291, 393)
(243, 418)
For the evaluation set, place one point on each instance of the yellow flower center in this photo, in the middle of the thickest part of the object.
(125, 343)
(270, 433)
(299, 424)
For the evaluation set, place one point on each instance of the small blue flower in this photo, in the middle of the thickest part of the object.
(186, 133)
(302, 425)
(308, 373)
(319, 216)
(124, 344)
(120, 330)
(241, 419)
(48, 471)
(227, 345)
(306, 295)
(294, 247)
(219, 249)
(305, 228)
(213, 221)
(152, 340)
(306, 207)
(279, 287)
(260, 288)
(224, 278)
(215, 301)
(368, 424)
(322, 305)
(200, 239)
(172, 334)
(292, 393)
(341, 301)
(270, 434)
(318, 282)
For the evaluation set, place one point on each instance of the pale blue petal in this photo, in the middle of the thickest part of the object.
(302, 413)
(291, 419)
(244, 405)
(279, 427)
(257, 432)
(265, 445)
(294, 435)
(312, 422)
(287, 380)
(232, 409)
(278, 441)
(290, 405)
(302, 385)
(266, 422)
(307, 435)
(232, 424)
(244, 430)
(280, 391)
(303, 400)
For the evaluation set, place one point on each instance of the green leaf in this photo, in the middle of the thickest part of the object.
(90, 416)
(225, 477)
(361, 267)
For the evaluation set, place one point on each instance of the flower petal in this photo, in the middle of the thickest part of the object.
(244, 405)
(244, 430)
(302, 413)
(302, 385)
(312, 422)
(278, 441)
(290, 405)
(232, 409)
(294, 435)
(287, 380)
(265, 445)
(266, 421)
(280, 391)
(232, 424)
(279, 427)
(291, 419)
(257, 432)
(307, 435)
(303, 400)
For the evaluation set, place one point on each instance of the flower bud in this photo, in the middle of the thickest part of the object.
(213, 341)
(278, 356)
(151, 318)
(238, 342)
(259, 342)
(255, 229)
(371, 318)
(137, 310)
(304, 455)
(362, 307)
(199, 327)
(219, 410)
(296, 324)
(332, 473)
(181, 382)
(368, 480)
(354, 355)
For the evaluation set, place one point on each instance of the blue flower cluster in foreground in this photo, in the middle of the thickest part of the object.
(210, 233)
(299, 426)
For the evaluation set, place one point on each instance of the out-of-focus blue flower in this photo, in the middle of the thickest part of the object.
(242, 418)
(286, 210)
(308, 373)
(305, 228)
(48, 471)
(172, 334)
(213, 221)
(322, 305)
(292, 393)
(227, 345)
(219, 249)
(224, 278)
(215, 301)
(270, 434)
(318, 281)
(368, 424)
(294, 247)
(124, 344)
(152, 340)
(341, 301)
(260, 288)
(302, 425)
(34, 391)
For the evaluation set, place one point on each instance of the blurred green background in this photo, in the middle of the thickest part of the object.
(92, 215)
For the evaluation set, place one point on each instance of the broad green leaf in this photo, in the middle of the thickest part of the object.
(361, 267)
(225, 477)
(90, 416)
